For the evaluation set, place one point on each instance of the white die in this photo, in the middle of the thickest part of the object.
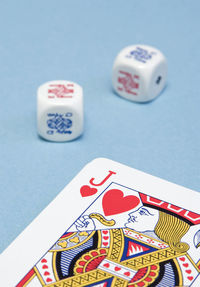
(139, 73)
(60, 110)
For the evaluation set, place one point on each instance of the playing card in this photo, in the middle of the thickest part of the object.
(111, 226)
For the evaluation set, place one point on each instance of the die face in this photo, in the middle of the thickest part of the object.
(147, 66)
(60, 111)
(60, 124)
(128, 82)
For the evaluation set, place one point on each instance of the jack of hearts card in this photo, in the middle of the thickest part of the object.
(111, 226)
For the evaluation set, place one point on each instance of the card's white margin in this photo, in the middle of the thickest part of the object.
(196, 282)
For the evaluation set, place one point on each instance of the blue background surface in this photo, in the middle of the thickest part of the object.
(78, 40)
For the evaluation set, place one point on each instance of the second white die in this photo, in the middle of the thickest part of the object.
(60, 110)
(139, 73)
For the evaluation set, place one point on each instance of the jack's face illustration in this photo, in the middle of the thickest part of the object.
(143, 219)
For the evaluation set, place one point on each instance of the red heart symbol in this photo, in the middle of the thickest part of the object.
(190, 278)
(182, 259)
(105, 237)
(186, 265)
(45, 267)
(86, 190)
(105, 232)
(188, 271)
(114, 202)
(46, 273)
(44, 261)
(127, 273)
(105, 243)
(117, 268)
(106, 265)
(49, 280)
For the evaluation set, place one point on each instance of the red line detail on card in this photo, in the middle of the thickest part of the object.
(190, 216)
(66, 234)
(26, 278)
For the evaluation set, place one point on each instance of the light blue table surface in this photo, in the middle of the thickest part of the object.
(78, 40)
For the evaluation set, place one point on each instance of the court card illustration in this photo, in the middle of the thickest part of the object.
(111, 226)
